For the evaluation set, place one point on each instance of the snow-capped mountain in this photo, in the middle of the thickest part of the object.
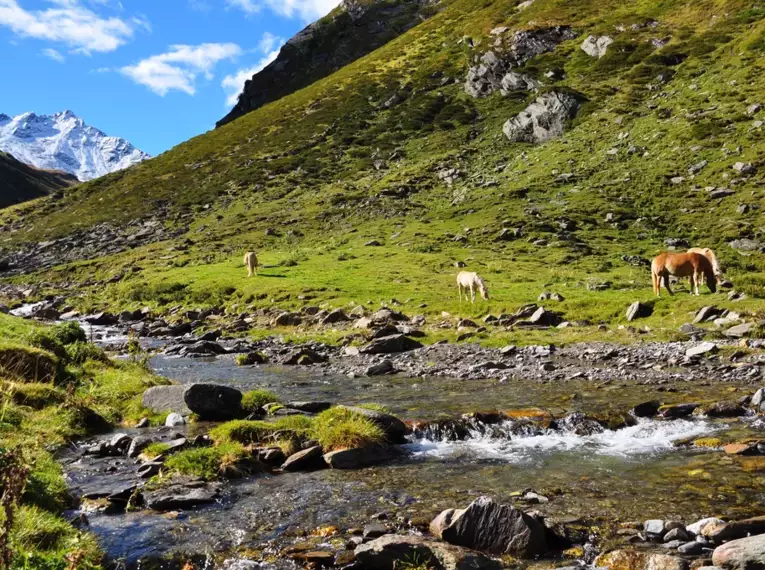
(64, 142)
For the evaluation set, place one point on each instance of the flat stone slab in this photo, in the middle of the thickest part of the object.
(166, 399)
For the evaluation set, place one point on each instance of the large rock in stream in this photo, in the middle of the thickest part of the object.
(491, 527)
(182, 495)
(213, 402)
(742, 554)
(393, 551)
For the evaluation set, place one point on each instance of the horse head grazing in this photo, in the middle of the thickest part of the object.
(710, 269)
(482, 288)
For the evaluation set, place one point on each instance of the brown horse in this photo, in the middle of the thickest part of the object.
(682, 265)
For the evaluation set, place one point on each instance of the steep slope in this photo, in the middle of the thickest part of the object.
(64, 142)
(486, 134)
(354, 29)
(20, 182)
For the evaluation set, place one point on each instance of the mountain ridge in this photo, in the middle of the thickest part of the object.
(354, 29)
(20, 182)
(64, 142)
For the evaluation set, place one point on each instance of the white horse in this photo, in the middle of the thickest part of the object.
(251, 263)
(469, 281)
(710, 255)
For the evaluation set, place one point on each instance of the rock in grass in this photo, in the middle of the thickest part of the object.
(638, 310)
(596, 46)
(742, 554)
(359, 457)
(491, 527)
(213, 402)
(307, 460)
(740, 331)
(544, 119)
(394, 551)
(391, 344)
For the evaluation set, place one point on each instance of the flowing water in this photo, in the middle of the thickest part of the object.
(632, 473)
(599, 476)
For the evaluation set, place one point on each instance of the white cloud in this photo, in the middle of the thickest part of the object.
(54, 55)
(305, 9)
(70, 23)
(233, 84)
(268, 41)
(178, 68)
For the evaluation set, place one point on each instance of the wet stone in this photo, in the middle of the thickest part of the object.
(307, 460)
(374, 530)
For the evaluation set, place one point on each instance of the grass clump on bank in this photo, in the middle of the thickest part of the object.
(336, 428)
(208, 462)
(254, 400)
(339, 428)
(54, 388)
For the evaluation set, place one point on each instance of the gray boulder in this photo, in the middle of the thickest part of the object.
(746, 245)
(392, 551)
(490, 527)
(391, 344)
(166, 399)
(740, 331)
(543, 120)
(742, 554)
(596, 46)
(213, 402)
(638, 310)
(307, 460)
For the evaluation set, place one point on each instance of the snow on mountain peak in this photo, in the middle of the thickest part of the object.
(63, 141)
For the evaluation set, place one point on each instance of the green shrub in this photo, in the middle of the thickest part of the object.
(256, 399)
(338, 428)
(80, 352)
(206, 462)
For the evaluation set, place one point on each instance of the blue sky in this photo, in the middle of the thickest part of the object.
(153, 72)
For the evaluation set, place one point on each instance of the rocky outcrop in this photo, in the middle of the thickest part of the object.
(544, 119)
(392, 551)
(491, 527)
(348, 33)
(493, 71)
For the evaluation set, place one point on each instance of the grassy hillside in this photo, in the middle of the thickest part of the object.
(20, 182)
(343, 162)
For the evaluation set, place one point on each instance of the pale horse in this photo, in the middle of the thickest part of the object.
(251, 263)
(469, 281)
